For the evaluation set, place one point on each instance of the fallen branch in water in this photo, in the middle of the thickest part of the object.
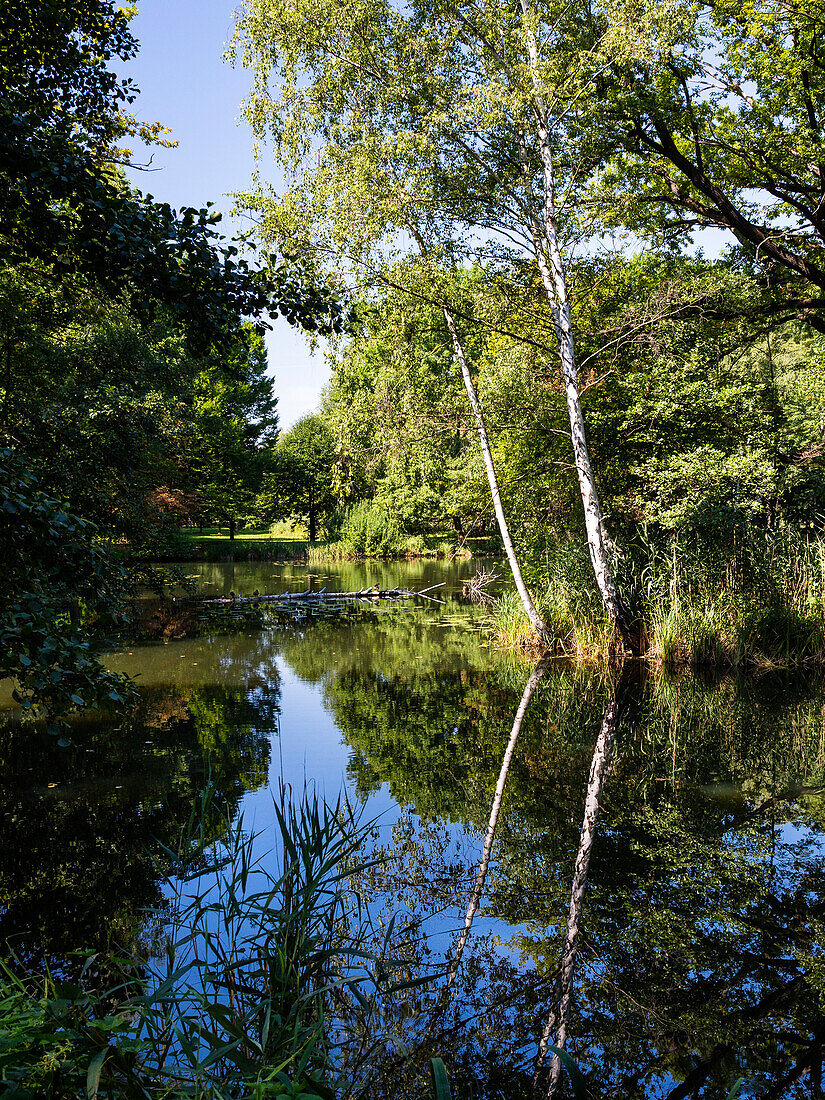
(476, 589)
(293, 598)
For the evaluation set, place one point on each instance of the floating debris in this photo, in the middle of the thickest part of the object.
(287, 599)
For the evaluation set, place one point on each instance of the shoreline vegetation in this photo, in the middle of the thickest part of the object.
(284, 545)
(755, 605)
(751, 602)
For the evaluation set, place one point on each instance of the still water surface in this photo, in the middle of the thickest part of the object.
(685, 818)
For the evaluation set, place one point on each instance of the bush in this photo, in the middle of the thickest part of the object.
(370, 530)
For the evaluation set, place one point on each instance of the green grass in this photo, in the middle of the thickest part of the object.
(249, 545)
(758, 604)
(281, 542)
(213, 535)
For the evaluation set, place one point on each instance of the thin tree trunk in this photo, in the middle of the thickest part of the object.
(526, 599)
(559, 1019)
(551, 267)
(489, 836)
(312, 530)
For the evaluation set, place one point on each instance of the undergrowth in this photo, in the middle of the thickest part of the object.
(757, 602)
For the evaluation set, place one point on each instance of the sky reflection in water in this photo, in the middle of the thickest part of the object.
(699, 930)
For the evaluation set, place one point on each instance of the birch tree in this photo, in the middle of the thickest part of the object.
(452, 130)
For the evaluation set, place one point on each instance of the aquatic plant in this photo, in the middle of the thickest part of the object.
(757, 601)
(265, 986)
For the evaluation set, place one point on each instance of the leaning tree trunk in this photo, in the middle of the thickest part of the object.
(489, 836)
(312, 522)
(559, 1017)
(526, 599)
(551, 267)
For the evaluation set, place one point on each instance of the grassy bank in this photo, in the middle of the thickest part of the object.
(757, 603)
(406, 549)
(215, 545)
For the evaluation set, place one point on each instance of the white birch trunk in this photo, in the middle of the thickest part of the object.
(559, 1018)
(481, 875)
(526, 599)
(551, 267)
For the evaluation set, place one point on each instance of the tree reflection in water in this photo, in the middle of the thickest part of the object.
(697, 955)
(86, 831)
(559, 1018)
(489, 836)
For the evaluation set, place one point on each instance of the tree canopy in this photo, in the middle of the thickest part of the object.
(301, 481)
(133, 384)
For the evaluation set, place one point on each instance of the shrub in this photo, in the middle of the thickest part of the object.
(370, 530)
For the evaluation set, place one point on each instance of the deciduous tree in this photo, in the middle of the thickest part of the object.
(301, 483)
(446, 127)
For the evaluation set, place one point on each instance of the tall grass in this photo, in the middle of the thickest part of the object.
(757, 602)
(265, 987)
(755, 599)
(567, 601)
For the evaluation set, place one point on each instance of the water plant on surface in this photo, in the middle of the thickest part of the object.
(265, 987)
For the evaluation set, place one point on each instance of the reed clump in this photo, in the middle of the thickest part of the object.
(757, 602)
(754, 600)
(269, 982)
(569, 606)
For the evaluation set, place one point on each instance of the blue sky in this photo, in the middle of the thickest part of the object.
(185, 84)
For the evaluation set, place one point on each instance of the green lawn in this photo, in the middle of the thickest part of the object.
(284, 544)
(284, 533)
(259, 544)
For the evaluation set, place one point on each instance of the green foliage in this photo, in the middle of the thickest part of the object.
(441, 1083)
(58, 580)
(58, 1038)
(742, 79)
(397, 408)
(265, 988)
(370, 530)
(230, 432)
(695, 423)
(300, 483)
(132, 368)
(65, 205)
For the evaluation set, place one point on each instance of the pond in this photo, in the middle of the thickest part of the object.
(655, 893)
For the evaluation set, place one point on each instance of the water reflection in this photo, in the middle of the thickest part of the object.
(558, 1020)
(84, 831)
(219, 579)
(693, 956)
(489, 836)
(701, 937)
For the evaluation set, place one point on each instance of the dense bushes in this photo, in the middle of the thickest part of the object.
(370, 530)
